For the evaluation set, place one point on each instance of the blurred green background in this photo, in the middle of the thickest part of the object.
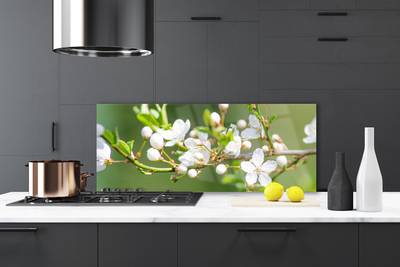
(289, 124)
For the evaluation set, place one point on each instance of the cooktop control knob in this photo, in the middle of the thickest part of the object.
(127, 190)
(105, 190)
(116, 190)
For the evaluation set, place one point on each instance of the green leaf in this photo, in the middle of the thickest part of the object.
(271, 120)
(124, 146)
(148, 120)
(229, 179)
(130, 144)
(203, 129)
(136, 110)
(219, 129)
(249, 107)
(158, 107)
(108, 136)
(261, 190)
(207, 118)
(164, 115)
(155, 113)
(116, 137)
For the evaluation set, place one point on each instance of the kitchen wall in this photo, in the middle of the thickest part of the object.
(260, 51)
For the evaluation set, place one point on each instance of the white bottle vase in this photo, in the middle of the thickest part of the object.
(369, 177)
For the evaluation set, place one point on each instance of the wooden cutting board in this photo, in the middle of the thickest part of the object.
(263, 202)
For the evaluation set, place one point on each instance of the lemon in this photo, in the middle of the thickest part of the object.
(273, 191)
(295, 194)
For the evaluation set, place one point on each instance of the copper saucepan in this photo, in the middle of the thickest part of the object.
(56, 178)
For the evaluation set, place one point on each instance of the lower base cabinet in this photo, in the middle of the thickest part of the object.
(216, 245)
(48, 245)
(144, 245)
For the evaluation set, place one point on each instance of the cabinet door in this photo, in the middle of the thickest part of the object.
(379, 244)
(232, 58)
(48, 245)
(267, 245)
(181, 67)
(28, 78)
(138, 244)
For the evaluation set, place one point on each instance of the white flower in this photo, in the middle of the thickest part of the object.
(256, 129)
(311, 131)
(177, 133)
(216, 118)
(257, 170)
(276, 138)
(246, 145)
(153, 154)
(182, 169)
(199, 156)
(278, 146)
(223, 107)
(233, 147)
(99, 129)
(265, 149)
(281, 161)
(157, 141)
(241, 124)
(192, 173)
(221, 169)
(146, 132)
(103, 152)
(201, 145)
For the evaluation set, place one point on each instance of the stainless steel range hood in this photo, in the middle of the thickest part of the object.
(103, 28)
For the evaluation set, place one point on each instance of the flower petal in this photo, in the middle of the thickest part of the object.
(168, 135)
(254, 122)
(251, 178)
(269, 166)
(99, 129)
(249, 133)
(190, 143)
(308, 129)
(310, 139)
(178, 125)
(247, 166)
(264, 179)
(202, 136)
(186, 127)
(100, 166)
(172, 142)
(258, 157)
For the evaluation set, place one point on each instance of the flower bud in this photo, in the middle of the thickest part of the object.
(281, 161)
(157, 141)
(223, 107)
(221, 169)
(193, 134)
(216, 118)
(276, 138)
(192, 173)
(246, 145)
(146, 132)
(199, 156)
(278, 146)
(241, 124)
(265, 149)
(182, 169)
(154, 155)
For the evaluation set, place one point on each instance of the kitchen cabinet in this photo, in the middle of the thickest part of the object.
(203, 61)
(138, 245)
(378, 4)
(48, 245)
(379, 244)
(267, 244)
(307, 4)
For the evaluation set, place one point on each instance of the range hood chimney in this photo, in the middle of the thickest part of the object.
(103, 28)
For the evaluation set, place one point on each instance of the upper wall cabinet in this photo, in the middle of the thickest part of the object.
(378, 4)
(227, 10)
(207, 52)
(307, 4)
(28, 78)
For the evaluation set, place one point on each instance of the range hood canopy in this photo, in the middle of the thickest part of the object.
(103, 28)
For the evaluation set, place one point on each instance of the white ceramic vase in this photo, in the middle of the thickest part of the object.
(369, 177)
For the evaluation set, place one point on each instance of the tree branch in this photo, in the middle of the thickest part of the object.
(299, 153)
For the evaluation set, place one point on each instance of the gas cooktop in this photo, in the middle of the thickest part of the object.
(117, 197)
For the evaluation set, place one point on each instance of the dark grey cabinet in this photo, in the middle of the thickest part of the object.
(138, 244)
(379, 244)
(267, 245)
(202, 61)
(48, 245)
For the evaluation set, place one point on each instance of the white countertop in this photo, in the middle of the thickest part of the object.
(211, 208)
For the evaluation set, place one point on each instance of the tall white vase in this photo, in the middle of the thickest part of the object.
(369, 177)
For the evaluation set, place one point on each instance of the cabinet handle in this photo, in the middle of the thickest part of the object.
(206, 18)
(52, 136)
(332, 39)
(266, 229)
(333, 13)
(18, 229)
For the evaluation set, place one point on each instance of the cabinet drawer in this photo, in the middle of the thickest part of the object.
(48, 245)
(329, 76)
(227, 10)
(267, 245)
(309, 49)
(378, 4)
(309, 23)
